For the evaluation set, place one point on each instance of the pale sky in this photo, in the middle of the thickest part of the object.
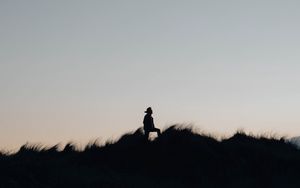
(80, 70)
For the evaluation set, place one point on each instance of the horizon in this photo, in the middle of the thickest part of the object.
(78, 71)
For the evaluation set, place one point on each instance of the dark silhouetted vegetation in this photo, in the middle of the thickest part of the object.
(178, 158)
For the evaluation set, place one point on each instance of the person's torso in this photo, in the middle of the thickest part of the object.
(148, 122)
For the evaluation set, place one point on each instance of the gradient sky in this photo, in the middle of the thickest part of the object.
(79, 70)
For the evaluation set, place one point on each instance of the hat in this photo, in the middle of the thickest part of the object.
(149, 110)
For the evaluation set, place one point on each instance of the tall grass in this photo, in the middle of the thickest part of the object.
(180, 157)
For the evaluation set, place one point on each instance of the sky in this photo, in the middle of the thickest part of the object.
(75, 70)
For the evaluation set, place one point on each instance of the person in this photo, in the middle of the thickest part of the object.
(149, 124)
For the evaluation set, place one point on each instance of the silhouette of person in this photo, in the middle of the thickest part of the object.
(149, 124)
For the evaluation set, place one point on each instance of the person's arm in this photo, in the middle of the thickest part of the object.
(152, 122)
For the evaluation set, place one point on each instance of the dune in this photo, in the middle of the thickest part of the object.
(180, 157)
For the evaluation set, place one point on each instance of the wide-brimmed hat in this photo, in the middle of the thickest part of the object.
(149, 110)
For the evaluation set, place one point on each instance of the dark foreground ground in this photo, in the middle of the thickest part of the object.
(179, 158)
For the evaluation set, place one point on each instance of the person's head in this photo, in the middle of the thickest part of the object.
(149, 110)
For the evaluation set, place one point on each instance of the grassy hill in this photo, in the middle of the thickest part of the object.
(179, 158)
